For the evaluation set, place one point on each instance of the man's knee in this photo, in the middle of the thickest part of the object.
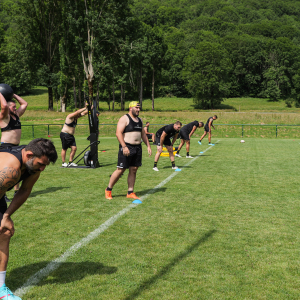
(133, 169)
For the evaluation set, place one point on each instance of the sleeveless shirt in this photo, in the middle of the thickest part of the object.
(13, 123)
(133, 126)
(73, 124)
(17, 152)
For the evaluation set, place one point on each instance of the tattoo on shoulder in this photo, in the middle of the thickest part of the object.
(8, 177)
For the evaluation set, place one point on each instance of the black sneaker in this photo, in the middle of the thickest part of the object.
(6, 199)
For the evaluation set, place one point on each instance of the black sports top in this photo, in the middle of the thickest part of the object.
(73, 124)
(133, 126)
(168, 129)
(17, 152)
(189, 127)
(13, 123)
(209, 120)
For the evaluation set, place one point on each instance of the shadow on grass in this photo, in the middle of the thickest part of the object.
(48, 190)
(65, 273)
(145, 192)
(166, 269)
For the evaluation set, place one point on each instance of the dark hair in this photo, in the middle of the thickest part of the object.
(216, 116)
(178, 123)
(11, 101)
(40, 147)
(201, 123)
(147, 123)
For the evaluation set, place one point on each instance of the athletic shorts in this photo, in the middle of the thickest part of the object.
(7, 145)
(149, 136)
(206, 128)
(167, 141)
(67, 140)
(3, 207)
(184, 135)
(133, 160)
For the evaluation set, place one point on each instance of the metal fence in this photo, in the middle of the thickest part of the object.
(222, 130)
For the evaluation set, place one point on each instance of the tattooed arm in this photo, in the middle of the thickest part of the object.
(20, 197)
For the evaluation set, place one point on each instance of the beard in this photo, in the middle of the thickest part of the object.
(135, 113)
(29, 166)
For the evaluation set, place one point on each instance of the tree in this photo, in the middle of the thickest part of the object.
(206, 72)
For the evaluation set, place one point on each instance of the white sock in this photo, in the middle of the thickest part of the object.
(2, 277)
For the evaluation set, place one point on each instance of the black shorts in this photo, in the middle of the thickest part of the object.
(133, 160)
(149, 136)
(3, 207)
(184, 135)
(206, 128)
(67, 140)
(7, 145)
(167, 141)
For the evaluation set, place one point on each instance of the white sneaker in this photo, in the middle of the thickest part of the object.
(155, 169)
(174, 168)
(64, 164)
(188, 156)
(177, 155)
(72, 165)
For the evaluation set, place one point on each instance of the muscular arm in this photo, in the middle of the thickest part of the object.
(4, 107)
(8, 178)
(162, 138)
(23, 105)
(146, 141)
(174, 138)
(193, 130)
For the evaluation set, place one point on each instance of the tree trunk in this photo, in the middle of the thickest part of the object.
(113, 89)
(74, 92)
(91, 93)
(153, 81)
(108, 98)
(50, 98)
(122, 100)
(141, 86)
(79, 92)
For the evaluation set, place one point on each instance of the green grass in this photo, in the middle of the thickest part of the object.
(225, 227)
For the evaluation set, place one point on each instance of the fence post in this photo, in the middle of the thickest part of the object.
(33, 131)
(48, 130)
(276, 130)
(242, 130)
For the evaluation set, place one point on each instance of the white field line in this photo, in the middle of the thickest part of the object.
(53, 265)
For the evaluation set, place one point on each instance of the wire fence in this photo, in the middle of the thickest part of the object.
(222, 130)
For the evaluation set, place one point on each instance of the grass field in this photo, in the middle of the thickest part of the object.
(225, 227)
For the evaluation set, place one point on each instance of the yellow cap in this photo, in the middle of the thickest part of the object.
(133, 104)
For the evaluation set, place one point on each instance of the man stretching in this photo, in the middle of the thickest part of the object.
(162, 137)
(67, 136)
(207, 129)
(20, 163)
(185, 134)
(10, 123)
(130, 133)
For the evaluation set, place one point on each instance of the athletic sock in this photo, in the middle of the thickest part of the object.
(173, 163)
(2, 277)
(188, 154)
(155, 164)
(129, 192)
(108, 189)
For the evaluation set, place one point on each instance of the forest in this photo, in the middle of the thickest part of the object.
(116, 50)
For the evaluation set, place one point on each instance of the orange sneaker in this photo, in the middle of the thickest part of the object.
(108, 195)
(132, 196)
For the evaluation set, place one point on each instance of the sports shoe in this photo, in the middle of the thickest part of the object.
(73, 165)
(188, 156)
(210, 144)
(132, 196)
(174, 168)
(108, 195)
(7, 201)
(177, 155)
(155, 169)
(6, 294)
(64, 164)
(199, 142)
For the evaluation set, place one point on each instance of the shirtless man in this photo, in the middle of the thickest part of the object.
(149, 134)
(10, 123)
(185, 134)
(130, 133)
(207, 129)
(67, 136)
(162, 137)
(19, 163)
